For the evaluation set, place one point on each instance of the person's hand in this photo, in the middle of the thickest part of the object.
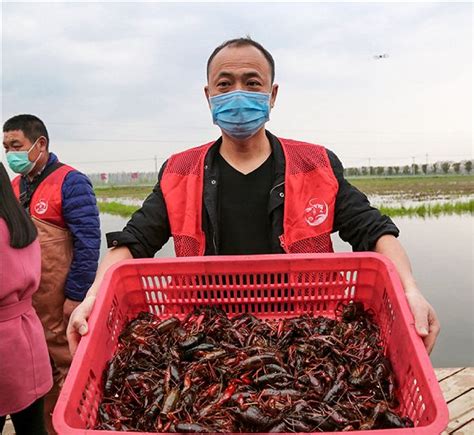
(77, 326)
(426, 321)
(68, 307)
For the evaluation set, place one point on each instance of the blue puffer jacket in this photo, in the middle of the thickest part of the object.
(82, 219)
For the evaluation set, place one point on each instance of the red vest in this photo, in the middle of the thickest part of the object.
(46, 203)
(310, 197)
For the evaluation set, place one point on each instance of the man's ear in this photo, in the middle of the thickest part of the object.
(42, 143)
(274, 95)
(206, 93)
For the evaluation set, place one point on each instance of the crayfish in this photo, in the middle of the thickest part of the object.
(212, 373)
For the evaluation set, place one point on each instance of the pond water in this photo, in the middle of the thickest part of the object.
(441, 253)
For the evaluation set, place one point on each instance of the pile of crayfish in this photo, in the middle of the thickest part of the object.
(212, 373)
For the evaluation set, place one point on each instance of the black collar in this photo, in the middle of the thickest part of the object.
(210, 164)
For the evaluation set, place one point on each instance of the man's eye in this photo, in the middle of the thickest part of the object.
(222, 84)
(253, 83)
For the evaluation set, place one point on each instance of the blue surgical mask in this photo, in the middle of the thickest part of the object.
(240, 113)
(19, 161)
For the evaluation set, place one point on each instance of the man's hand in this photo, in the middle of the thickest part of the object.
(426, 321)
(77, 326)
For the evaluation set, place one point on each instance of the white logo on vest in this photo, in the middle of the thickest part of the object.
(41, 206)
(316, 212)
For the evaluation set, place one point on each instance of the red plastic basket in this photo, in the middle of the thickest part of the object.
(268, 286)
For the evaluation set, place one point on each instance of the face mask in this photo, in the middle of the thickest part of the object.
(240, 113)
(19, 161)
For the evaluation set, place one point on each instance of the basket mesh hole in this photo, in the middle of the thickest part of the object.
(150, 282)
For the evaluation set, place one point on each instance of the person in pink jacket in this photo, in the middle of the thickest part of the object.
(25, 370)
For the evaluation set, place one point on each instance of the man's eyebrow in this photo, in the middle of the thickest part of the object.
(245, 75)
(224, 74)
(251, 74)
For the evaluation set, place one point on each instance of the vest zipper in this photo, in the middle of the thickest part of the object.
(274, 187)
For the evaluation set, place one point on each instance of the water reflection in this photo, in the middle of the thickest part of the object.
(441, 251)
(409, 200)
(124, 200)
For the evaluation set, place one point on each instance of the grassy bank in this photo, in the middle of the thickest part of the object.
(423, 210)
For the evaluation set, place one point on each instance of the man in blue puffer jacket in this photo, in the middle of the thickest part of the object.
(62, 204)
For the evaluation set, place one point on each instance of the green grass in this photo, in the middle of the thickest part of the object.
(116, 208)
(427, 210)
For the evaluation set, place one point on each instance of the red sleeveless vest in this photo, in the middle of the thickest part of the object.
(310, 197)
(46, 203)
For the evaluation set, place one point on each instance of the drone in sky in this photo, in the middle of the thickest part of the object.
(381, 56)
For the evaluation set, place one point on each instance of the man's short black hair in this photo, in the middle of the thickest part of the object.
(31, 126)
(242, 42)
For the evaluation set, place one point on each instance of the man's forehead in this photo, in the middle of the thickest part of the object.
(12, 135)
(245, 57)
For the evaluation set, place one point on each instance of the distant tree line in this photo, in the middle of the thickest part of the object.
(441, 168)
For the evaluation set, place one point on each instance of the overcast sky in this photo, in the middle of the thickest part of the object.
(119, 83)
